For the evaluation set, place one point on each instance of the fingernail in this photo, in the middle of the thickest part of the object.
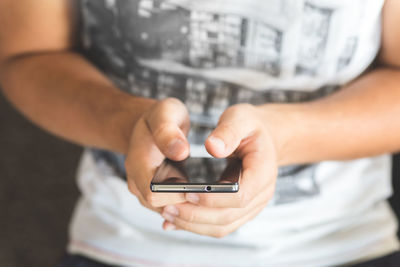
(217, 143)
(175, 146)
(170, 227)
(192, 198)
(168, 217)
(172, 210)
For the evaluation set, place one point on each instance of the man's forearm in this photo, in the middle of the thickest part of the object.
(67, 96)
(360, 120)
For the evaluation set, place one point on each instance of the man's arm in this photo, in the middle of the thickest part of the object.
(63, 93)
(55, 87)
(360, 120)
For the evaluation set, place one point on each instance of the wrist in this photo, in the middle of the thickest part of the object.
(123, 120)
(284, 123)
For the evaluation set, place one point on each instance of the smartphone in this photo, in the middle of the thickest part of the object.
(202, 175)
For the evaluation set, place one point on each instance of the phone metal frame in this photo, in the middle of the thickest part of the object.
(198, 188)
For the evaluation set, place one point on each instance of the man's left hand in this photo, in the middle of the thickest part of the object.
(241, 132)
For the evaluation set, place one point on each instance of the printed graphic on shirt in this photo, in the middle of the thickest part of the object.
(196, 38)
(314, 32)
(347, 53)
(295, 183)
(213, 54)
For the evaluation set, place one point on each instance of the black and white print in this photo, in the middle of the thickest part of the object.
(315, 32)
(347, 53)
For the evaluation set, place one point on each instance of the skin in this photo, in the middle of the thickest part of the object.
(62, 92)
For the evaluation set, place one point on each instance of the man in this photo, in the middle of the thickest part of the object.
(269, 71)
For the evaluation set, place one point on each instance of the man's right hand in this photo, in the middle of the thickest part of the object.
(159, 133)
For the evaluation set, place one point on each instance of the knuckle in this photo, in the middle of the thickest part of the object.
(162, 129)
(242, 200)
(170, 102)
(227, 127)
(246, 108)
(182, 225)
(235, 108)
(127, 162)
(227, 217)
(142, 202)
(220, 233)
(240, 204)
(132, 188)
(243, 203)
(229, 131)
(243, 113)
(151, 199)
(161, 107)
(240, 109)
(191, 217)
(208, 202)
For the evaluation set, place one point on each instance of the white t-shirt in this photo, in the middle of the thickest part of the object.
(212, 54)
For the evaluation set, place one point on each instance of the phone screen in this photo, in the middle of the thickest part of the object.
(197, 175)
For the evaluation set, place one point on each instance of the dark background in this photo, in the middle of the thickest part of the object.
(38, 192)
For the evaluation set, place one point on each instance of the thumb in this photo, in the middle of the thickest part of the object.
(168, 124)
(231, 130)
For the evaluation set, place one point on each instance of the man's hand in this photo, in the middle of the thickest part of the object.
(159, 133)
(239, 133)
